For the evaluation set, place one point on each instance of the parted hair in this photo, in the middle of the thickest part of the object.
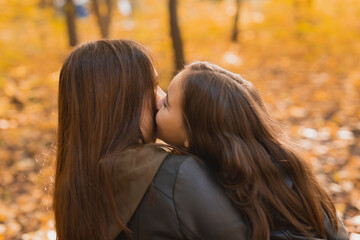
(102, 88)
(229, 128)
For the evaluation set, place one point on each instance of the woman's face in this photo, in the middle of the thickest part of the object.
(169, 118)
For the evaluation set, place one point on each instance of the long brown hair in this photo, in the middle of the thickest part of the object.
(102, 88)
(267, 180)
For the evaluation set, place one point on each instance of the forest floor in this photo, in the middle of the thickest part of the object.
(305, 61)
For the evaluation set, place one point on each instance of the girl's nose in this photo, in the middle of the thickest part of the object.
(160, 97)
(160, 103)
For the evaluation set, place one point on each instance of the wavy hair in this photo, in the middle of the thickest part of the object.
(266, 179)
(102, 88)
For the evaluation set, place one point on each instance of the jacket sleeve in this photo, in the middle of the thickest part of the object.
(203, 209)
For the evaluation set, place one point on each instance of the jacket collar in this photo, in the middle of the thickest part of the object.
(134, 172)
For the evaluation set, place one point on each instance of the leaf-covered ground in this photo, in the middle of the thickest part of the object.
(304, 59)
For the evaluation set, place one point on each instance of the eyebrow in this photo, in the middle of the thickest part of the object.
(167, 100)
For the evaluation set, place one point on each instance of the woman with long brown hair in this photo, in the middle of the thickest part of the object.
(111, 180)
(220, 117)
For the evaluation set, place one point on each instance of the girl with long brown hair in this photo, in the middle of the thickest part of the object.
(220, 117)
(111, 180)
(104, 88)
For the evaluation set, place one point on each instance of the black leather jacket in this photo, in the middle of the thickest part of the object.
(186, 202)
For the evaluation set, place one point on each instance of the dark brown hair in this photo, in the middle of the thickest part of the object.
(102, 88)
(267, 180)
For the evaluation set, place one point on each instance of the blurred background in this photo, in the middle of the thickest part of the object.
(303, 55)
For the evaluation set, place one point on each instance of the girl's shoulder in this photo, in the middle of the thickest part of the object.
(201, 205)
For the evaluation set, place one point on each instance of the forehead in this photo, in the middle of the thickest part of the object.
(175, 90)
(177, 82)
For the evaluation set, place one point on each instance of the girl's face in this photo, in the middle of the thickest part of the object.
(169, 118)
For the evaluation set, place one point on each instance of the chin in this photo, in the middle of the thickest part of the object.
(158, 135)
(159, 139)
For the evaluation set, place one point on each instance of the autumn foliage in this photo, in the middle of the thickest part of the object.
(304, 56)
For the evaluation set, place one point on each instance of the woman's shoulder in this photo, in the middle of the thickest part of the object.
(179, 171)
(137, 157)
(202, 206)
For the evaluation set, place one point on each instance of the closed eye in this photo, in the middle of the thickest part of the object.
(166, 102)
(161, 103)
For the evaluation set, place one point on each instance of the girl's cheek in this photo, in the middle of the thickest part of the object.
(162, 118)
(158, 117)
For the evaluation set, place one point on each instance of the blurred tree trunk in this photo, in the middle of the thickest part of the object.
(302, 14)
(297, 12)
(176, 36)
(70, 13)
(45, 3)
(103, 10)
(235, 33)
(133, 4)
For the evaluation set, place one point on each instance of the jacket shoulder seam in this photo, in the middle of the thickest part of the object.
(185, 230)
(162, 192)
(158, 187)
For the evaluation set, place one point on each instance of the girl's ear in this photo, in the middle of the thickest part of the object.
(186, 143)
